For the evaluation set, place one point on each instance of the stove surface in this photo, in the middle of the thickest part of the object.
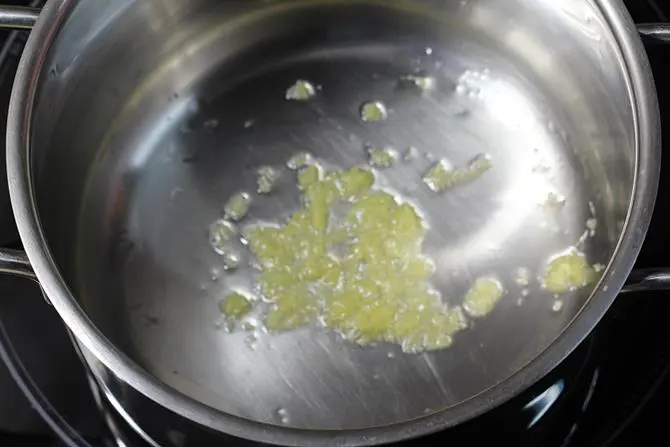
(610, 392)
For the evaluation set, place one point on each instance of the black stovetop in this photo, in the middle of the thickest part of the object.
(610, 392)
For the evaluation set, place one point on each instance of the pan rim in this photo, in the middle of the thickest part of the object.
(647, 172)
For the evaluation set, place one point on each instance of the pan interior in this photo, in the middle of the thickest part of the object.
(155, 112)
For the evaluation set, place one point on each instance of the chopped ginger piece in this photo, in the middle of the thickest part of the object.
(382, 157)
(235, 306)
(373, 111)
(267, 178)
(237, 206)
(568, 272)
(376, 288)
(482, 297)
(300, 160)
(309, 176)
(300, 91)
(356, 181)
(441, 176)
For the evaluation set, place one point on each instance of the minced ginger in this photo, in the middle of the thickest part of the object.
(568, 272)
(351, 260)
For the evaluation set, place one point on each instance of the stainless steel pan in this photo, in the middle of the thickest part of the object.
(132, 121)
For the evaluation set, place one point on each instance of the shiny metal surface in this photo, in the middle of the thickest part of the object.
(18, 17)
(15, 262)
(158, 285)
(149, 114)
(647, 280)
(659, 32)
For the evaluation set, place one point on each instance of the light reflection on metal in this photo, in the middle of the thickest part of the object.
(542, 403)
(592, 388)
(570, 435)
